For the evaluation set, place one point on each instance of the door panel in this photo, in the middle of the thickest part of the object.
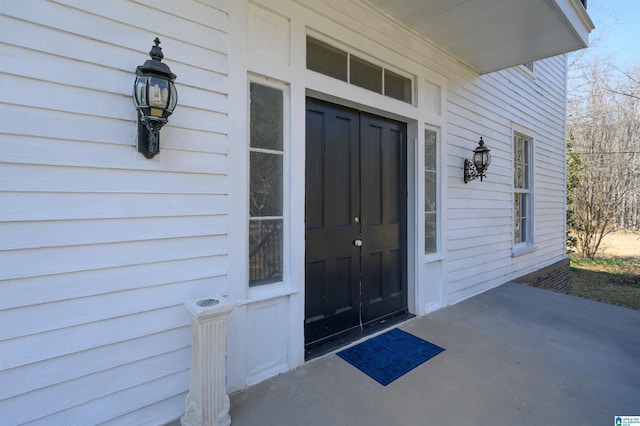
(355, 188)
(383, 195)
(332, 178)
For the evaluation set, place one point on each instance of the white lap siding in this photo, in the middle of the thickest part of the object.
(480, 214)
(99, 247)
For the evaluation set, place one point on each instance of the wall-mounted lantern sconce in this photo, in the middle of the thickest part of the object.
(155, 98)
(481, 160)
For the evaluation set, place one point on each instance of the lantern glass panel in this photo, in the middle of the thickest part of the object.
(158, 92)
(477, 160)
(480, 160)
(173, 97)
(140, 91)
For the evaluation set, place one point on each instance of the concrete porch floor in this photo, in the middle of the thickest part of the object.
(515, 355)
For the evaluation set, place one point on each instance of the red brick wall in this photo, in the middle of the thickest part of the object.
(554, 277)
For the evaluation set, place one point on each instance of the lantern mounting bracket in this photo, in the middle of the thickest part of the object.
(471, 173)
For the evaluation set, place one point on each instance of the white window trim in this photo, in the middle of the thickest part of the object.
(530, 73)
(265, 291)
(527, 246)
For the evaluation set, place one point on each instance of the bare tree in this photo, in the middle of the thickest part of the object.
(603, 162)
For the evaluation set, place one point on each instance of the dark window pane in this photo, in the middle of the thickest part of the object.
(265, 187)
(430, 191)
(526, 165)
(265, 251)
(430, 233)
(520, 213)
(430, 150)
(517, 150)
(521, 163)
(397, 86)
(266, 117)
(518, 176)
(326, 59)
(366, 75)
(523, 229)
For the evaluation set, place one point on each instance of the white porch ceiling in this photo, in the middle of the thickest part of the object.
(490, 35)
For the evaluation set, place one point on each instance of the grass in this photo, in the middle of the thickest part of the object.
(613, 280)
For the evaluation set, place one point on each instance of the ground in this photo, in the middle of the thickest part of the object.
(622, 244)
(614, 277)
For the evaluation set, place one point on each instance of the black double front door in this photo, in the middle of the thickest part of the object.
(356, 191)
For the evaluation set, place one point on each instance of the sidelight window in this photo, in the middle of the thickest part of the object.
(430, 191)
(266, 184)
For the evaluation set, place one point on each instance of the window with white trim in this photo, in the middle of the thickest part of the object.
(266, 183)
(430, 191)
(522, 190)
(337, 63)
(529, 65)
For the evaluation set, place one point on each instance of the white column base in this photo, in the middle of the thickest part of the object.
(207, 402)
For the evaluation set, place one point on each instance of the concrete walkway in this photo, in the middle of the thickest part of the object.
(515, 355)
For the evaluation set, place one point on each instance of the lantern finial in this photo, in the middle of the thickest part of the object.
(156, 51)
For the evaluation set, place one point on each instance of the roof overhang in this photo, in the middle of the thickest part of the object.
(491, 35)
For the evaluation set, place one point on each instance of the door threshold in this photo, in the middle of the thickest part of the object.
(344, 339)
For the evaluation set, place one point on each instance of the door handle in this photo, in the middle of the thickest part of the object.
(358, 242)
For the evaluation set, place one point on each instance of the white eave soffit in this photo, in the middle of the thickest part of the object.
(490, 35)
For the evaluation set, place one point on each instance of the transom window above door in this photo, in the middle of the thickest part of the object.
(336, 63)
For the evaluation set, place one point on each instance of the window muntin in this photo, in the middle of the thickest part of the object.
(430, 191)
(522, 189)
(266, 184)
(336, 63)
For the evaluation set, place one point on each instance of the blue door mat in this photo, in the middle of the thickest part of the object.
(390, 355)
